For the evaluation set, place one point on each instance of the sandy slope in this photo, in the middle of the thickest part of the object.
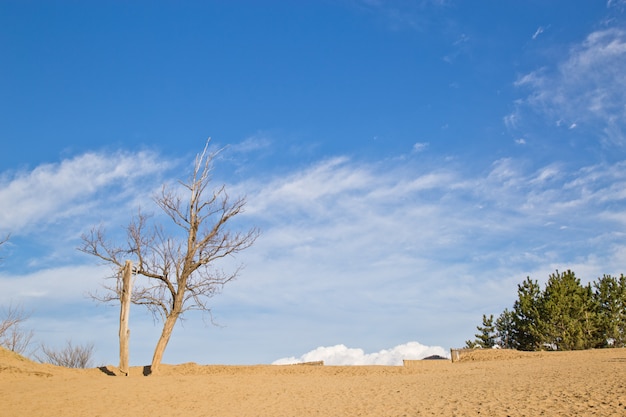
(487, 383)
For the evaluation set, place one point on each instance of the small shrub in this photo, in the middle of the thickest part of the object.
(71, 356)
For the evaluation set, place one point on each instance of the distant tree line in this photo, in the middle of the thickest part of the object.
(565, 315)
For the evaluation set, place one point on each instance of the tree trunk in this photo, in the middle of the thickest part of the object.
(168, 326)
(124, 314)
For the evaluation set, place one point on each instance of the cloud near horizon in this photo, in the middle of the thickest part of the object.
(343, 355)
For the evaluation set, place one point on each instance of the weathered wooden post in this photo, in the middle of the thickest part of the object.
(124, 313)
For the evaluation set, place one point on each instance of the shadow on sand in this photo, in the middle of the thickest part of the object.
(106, 370)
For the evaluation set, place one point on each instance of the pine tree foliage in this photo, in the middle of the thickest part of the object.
(564, 315)
(528, 322)
(565, 305)
(504, 329)
(487, 333)
(610, 303)
(486, 336)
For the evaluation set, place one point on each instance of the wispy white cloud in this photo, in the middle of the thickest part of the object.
(252, 144)
(333, 199)
(311, 189)
(54, 286)
(459, 46)
(344, 240)
(462, 39)
(538, 32)
(587, 89)
(511, 120)
(402, 14)
(50, 193)
(420, 146)
(615, 3)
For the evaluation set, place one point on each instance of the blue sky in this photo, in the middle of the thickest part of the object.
(408, 163)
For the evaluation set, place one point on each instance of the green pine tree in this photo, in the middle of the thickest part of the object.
(486, 336)
(504, 329)
(610, 304)
(566, 312)
(527, 332)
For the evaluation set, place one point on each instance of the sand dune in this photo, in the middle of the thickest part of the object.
(483, 383)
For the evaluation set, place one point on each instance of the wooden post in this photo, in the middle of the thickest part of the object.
(124, 313)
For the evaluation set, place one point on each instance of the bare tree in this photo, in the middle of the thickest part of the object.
(12, 335)
(176, 272)
(71, 356)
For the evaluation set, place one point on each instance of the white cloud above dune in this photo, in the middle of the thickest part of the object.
(343, 355)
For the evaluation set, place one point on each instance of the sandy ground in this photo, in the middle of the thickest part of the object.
(484, 383)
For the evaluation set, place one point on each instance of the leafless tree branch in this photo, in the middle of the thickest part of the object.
(4, 240)
(12, 336)
(175, 272)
